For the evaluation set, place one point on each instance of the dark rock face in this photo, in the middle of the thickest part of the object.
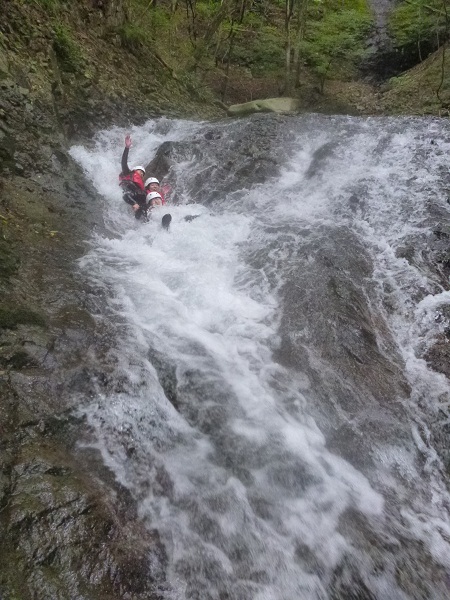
(324, 303)
(160, 165)
(63, 530)
(386, 60)
(68, 530)
(62, 533)
(247, 158)
(113, 12)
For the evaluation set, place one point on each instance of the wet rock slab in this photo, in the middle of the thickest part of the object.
(63, 535)
(67, 529)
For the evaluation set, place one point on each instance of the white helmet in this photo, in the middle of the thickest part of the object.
(151, 180)
(139, 168)
(153, 195)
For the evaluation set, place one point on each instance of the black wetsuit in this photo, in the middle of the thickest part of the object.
(132, 194)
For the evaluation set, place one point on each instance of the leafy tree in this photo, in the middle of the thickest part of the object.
(260, 47)
(67, 51)
(419, 24)
(274, 38)
(338, 39)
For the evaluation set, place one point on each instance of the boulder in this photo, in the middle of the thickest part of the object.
(160, 165)
(277, 105)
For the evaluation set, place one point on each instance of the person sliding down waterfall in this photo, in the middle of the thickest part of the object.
(132, 183)
(153, 185)
(155, 199)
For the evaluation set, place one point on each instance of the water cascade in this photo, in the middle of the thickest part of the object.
(267, 401)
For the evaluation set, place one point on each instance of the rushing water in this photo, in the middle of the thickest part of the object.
(268, 404)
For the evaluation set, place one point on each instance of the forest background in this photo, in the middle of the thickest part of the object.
(239, 50)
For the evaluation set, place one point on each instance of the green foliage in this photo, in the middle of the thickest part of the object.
(159, 21)
(66, 49)
(145, 26)
(359, 6)
(332, 44)
(10, 318)
(133, 37)
(51, 6)
(195, 87)
(261, 50)
(417, 21)
(147, 19)
(339, 37)
(206, 10)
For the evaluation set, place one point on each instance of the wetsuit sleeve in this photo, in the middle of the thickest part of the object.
(125, 169)
(133, 195)
(141, 198)
(129, 198)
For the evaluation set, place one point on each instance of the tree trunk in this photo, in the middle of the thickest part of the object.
(217, 20)
(299, 36)
(240, 18)
(287, 30)
(191, 15)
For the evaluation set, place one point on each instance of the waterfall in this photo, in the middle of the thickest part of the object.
(268, 403)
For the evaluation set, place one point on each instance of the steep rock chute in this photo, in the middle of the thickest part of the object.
(268, 405)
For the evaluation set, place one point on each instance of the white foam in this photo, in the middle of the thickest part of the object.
(190, 295)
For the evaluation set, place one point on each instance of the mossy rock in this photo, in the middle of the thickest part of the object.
(277, 105)
(9, 260)
(7, 149)
(18, 360)
(10, 318)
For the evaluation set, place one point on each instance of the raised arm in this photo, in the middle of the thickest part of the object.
(125, 169)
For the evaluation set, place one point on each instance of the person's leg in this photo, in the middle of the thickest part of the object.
(166, 220)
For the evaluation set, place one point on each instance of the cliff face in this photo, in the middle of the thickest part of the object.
(72, 61)
(62, 535)
(63, 75)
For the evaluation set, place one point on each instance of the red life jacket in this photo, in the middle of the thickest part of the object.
(134, 177)
(166, 190)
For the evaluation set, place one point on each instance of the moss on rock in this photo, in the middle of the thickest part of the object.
(9, 259)
(10, 318)
(424, 89)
